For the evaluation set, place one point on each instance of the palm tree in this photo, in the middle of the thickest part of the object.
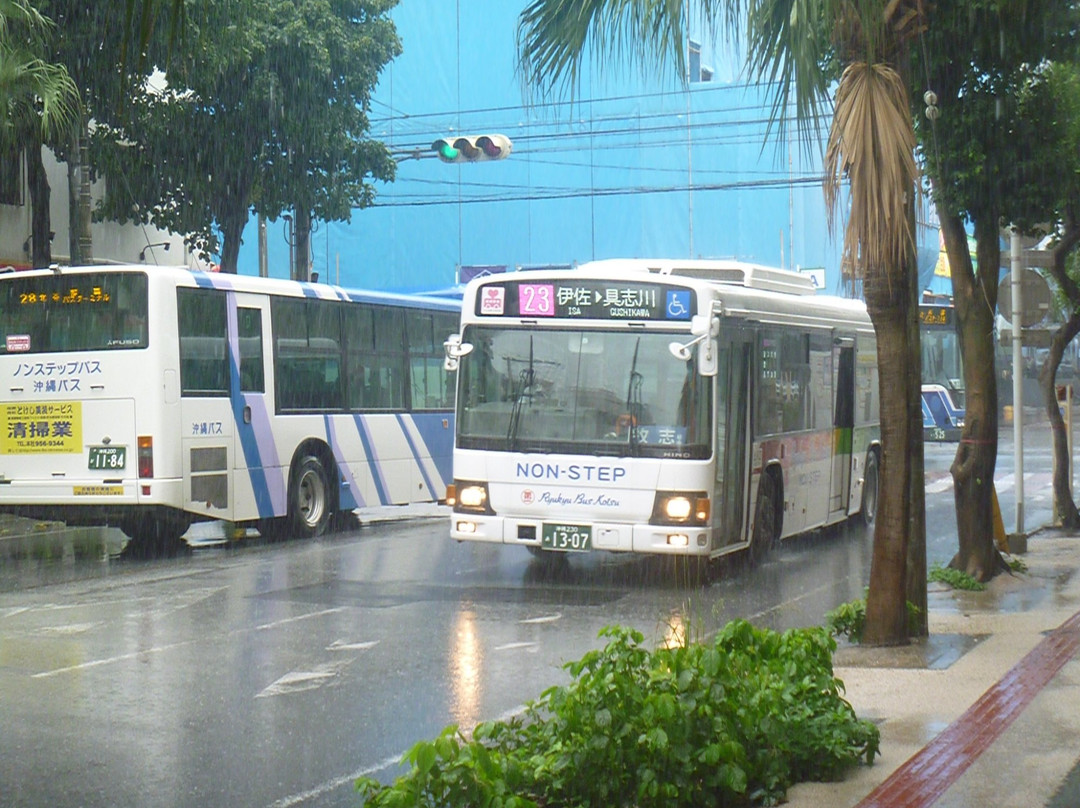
(38, 101)
(797, 45)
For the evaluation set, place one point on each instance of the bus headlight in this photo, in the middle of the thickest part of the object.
(681, 508)
(472, 497)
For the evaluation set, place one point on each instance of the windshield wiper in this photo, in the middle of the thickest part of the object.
(633, 400)
(525, 378)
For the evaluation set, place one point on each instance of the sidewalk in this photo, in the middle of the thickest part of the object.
(986, 712)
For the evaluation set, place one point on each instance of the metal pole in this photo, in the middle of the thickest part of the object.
(1018, 380)
(1069, 432)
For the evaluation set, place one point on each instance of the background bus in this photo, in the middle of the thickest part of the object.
(148, 398)
(942, 372)
(645, 406)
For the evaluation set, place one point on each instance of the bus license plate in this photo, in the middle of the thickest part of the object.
(104, 458)
(568, 538)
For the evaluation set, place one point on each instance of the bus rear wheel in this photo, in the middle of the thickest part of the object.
(309, 498)
(766, 523)
(154, 537)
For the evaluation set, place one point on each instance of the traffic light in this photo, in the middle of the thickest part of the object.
(472, 148)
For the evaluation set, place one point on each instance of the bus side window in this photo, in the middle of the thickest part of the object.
(249, 328)
(204, 363)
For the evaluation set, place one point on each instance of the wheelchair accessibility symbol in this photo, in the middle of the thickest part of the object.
(678, 305)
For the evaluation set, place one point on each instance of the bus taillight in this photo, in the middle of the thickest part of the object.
(146, 456)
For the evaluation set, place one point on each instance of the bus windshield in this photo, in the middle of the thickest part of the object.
(581, 391)
(85, 312)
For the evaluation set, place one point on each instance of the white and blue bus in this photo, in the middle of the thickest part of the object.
(689, 408)
(150, 397)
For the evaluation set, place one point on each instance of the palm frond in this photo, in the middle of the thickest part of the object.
(788, 42)
(872, 143)
(554, 37)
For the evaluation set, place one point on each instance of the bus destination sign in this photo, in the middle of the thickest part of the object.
(591, 298)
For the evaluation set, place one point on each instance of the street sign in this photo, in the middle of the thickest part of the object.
(1035, 298)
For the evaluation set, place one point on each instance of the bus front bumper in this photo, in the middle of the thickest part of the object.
(611, 536)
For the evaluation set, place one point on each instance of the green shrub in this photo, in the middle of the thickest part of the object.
(954, 578)
(731, 722)
(1017, 564)
(848, 619)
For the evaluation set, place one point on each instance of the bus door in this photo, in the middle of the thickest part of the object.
(207, 432)
(843, 423)
(732, 440)
(257, 471)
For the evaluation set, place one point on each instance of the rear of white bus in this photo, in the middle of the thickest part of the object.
(582, 428)
(89, 389)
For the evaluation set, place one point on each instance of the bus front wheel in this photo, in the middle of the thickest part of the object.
(309, 498)
(870, 488)
(766, 523)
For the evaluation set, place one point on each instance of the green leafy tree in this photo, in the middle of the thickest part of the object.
(1051, 102)
(801, 47)
(87, 50)
(982, 173)
(38, 103)
(265, 107)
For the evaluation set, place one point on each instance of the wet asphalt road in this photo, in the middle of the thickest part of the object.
(274, 674)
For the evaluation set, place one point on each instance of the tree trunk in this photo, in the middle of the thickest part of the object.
(40, 221)
(1065, 513)
(302, 239)
(975, 298)
(233, 219)
(888, 301)
(231, 230)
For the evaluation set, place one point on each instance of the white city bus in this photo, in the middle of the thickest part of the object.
(686, 408)
(151, 397)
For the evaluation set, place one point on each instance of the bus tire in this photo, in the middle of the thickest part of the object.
(151, 537)
(868, 509)
(766, 521)
(309, 498)
(273, 528)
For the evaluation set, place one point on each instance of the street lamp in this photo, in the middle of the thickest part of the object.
(163, 244)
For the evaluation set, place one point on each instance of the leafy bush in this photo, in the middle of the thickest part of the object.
(732, 722)
(954, 578)
(847, 620)
(1017, 564)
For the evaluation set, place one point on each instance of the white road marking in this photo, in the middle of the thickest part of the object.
(301, 681)
(512, 645)
(94, 663)
(548, 618)
(341, 645)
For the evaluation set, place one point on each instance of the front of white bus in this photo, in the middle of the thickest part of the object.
(583, 415)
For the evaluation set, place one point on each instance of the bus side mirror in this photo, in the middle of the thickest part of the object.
(705, 329)
(707, 363)
(455, 349)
